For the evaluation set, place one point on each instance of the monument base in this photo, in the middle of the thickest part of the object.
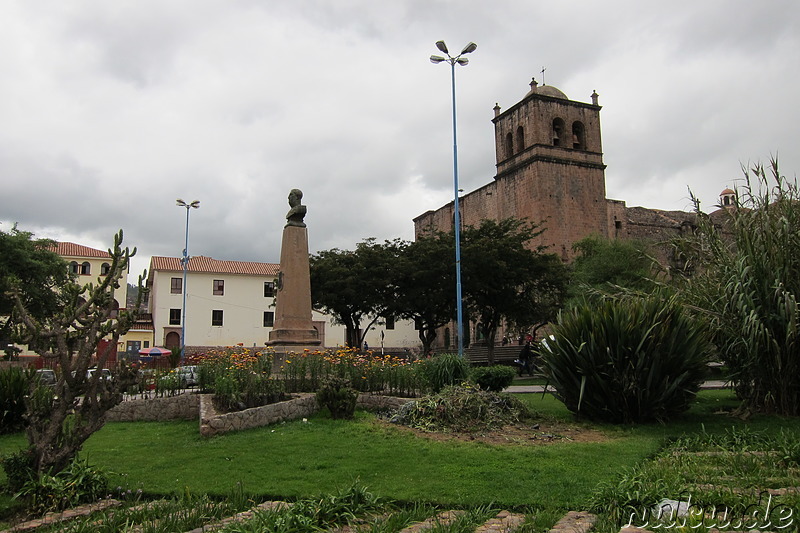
(294, 337)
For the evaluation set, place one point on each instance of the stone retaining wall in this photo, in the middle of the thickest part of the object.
(211, 423)
(302, 405)
(187, 406)
(376, 402)
(180, 407)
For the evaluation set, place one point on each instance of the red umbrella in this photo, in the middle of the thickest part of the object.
(155, 351)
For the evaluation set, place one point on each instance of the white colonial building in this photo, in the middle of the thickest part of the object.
(233, 302)
(91, 265)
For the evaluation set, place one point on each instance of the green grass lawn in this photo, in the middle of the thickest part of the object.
(297, 459)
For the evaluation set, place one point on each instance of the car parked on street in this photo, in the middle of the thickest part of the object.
(105, 374)
(188, 375)
(47, 377)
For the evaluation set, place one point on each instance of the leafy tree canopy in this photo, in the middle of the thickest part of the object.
(611, 265)
(505, 280)
(39, 273)
(425, 284)
(354, 286)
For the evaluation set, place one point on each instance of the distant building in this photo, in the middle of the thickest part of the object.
(233, 302)
(90, 266)
(550, 170)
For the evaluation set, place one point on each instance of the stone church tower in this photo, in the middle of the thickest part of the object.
(549, 170)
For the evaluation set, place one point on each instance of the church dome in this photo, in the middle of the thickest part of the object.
(549, 90)
(727, 198)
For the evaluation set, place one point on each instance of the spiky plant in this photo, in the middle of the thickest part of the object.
(627, 360)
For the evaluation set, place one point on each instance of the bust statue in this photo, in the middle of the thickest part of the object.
(297, 212)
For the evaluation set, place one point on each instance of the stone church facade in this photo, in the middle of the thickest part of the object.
(550, 170)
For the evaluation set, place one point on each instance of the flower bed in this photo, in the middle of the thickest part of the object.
(242, 378)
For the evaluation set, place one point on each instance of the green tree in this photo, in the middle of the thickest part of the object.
(39, 273)
(747, 281)
(611, 265)
(62, 418)
(425, 284)
(504, 280)
(354, 286)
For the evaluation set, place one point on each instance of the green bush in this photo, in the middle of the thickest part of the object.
(18, 468)
(235, 391)
(494, 378)
(14, 385)
(627, 360)
(445, 369)
(78, 483)
(339, 397)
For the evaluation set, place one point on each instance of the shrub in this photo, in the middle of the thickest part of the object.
(237, 392)
(445, 369)
(14, 385)
(78, 483)
(627, 360)
(461, 409)
(239, 377)
(19, 468)
(337, 395)
(494, 378)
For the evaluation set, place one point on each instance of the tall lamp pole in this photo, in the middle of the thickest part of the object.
(185, 262)
(457, 60)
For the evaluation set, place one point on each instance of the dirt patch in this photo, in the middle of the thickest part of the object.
(523, 434)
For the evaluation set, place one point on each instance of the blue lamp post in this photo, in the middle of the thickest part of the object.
(457, 60)
(185, 262)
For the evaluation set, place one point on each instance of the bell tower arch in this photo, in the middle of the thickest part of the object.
(554, 174)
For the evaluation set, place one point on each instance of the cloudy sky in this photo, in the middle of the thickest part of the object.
(112, 109)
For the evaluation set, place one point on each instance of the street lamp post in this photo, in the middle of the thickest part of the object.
(457, 60)
(185, 262)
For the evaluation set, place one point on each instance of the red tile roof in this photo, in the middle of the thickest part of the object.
(70, 249)
(213, 266)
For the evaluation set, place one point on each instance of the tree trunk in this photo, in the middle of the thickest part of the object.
(490, 334)
(426, 337)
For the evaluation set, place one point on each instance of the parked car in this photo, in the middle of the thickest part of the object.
(47, 377)
(188, 376)
(105, 374)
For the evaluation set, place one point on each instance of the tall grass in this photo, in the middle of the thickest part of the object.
(747, 281)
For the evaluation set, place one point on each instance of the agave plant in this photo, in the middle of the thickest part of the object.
(627, 360)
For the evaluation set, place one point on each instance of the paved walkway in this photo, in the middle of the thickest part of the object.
(540, 388)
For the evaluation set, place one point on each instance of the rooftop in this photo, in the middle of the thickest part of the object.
(210, 265)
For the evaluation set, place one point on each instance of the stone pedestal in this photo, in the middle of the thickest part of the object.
(293, 325)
